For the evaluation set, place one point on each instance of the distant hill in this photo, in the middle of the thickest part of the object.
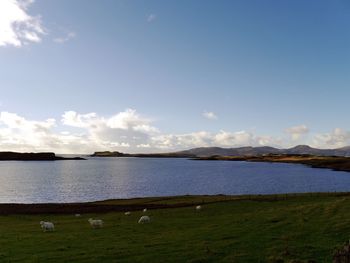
(256, 151)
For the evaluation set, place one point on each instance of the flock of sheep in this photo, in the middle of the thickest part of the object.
(98, 223)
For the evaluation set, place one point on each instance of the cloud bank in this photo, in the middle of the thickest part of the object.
(17, 27)
(130, 131)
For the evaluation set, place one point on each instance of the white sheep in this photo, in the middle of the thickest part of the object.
(145, 210)
(96, 223)
(77, 215)
(47, 226)
(198, 207)
(127, 213)
(144, 219)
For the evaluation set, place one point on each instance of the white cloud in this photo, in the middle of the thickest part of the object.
(143, 145)
(234, 139)
(13, 121)
(334, 139)
(209, 115)
(72, 118)
(296, 132)
(67, 37)
(124, 129)
(130, 119)
(20, 133)
(207, 139)
(17, 27)
(151, 17)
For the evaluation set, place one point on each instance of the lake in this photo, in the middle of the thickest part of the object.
(108, 178)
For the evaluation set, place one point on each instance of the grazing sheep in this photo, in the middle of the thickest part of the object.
(96, 223)
(47, 226)
(77, 215)
(145, 210)
(127, 213)
(198, 207)
(144, 219)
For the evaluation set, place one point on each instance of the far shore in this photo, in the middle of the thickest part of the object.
(336, 163)
(336, 159)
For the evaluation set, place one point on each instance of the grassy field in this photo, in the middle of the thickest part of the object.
(285, 228)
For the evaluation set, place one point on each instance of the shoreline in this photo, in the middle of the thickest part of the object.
(138, 204)
(334, 163)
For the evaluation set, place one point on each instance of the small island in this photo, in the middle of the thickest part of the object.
(41, 156)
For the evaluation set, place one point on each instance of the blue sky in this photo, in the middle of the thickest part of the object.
(141, 76)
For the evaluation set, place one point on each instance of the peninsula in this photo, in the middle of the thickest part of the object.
(41, 156)
(336, 163)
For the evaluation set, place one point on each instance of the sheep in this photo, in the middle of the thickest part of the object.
(77, 215)
(127, 213)
(47, 226)
(145, 210)
(96, 223)
(144, 219)
(198, 207)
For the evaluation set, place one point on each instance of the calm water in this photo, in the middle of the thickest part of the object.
(105, 178)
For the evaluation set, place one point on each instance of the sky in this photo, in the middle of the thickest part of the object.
(158, 76)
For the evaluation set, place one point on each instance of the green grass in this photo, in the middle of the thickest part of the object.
(293, 229)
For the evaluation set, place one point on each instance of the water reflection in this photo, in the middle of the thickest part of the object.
(98, 179)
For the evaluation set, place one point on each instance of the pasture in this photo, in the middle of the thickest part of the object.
(284, 228)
